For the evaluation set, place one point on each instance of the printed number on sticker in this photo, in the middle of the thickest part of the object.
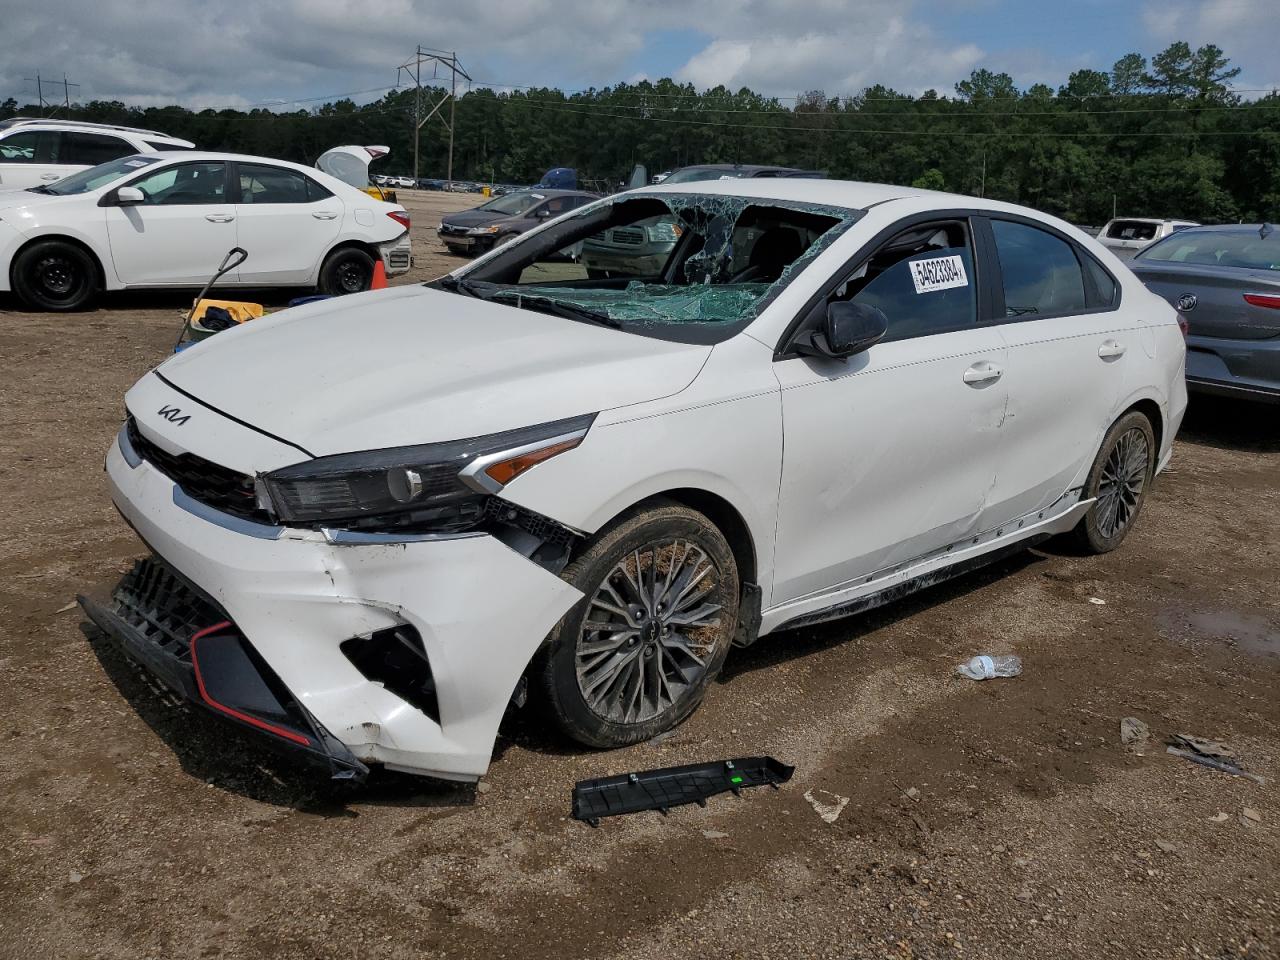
(940, 273)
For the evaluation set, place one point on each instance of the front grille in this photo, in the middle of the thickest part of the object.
(631, 236)
(219, 487)
(452, 230)
(154, 600)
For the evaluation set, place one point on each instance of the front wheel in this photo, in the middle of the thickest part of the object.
(1119, 480)
(635, 656)
(53, 275)
(349, 270)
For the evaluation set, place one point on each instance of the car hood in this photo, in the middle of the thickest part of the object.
(19, 197)
(414, 365)
(473, 218)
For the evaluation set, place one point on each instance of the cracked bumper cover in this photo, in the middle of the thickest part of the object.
(295, 596)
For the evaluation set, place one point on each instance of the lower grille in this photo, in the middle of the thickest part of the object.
(155, 601)
(213, 485)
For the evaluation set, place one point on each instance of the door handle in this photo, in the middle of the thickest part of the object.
(219, 217)
(325, 215)
(1111, 349)
(982, 372)
(50, 176)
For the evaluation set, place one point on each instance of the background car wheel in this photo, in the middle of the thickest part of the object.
(55, 276)
(349, 270)
(1119, 479)
(635, 656)
(504, 238)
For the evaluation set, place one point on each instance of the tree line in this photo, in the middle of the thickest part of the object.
(1161, 137)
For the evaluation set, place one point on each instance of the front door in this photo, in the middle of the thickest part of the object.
(180, 232)
(891, 454)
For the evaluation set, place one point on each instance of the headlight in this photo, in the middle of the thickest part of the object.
(434, 486)
(666, 230)
(480, 230)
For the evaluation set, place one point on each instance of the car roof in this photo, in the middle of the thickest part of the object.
(198, 155)
(1240, 228)
(14, 123)
(740, 167)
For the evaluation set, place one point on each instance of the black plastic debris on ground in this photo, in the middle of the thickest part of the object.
(672, 786)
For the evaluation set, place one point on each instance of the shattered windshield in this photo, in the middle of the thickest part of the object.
(688, 267)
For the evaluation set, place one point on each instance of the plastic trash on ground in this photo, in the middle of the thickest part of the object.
(984, 667)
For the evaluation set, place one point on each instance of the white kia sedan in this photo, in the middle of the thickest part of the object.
(376, 521)
(168, 219)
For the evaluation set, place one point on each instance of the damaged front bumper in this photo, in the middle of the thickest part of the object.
(333, 616)
(186, 642)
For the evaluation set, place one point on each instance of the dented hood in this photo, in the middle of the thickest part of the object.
(414, 365)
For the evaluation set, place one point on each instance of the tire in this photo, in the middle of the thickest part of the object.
(55, 275)
(503, 239)
(349, 270)
(1119, 479)
(611, 688)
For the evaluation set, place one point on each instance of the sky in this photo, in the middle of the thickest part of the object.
(288, 53)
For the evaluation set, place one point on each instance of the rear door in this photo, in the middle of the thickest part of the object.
(1069, 349)
(286, 222)
(891, 454)
(182, 230)
(29, 158)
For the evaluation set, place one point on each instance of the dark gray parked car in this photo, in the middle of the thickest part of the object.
(1225, 281)
(502, 218)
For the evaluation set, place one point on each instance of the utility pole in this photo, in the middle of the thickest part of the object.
(66, 93)
(439, 59)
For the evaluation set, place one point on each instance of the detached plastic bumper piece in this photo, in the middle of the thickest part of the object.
(189, 644)
(672, 787)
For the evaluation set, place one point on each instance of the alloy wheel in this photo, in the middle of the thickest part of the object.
(1120, 485)
(650, 633)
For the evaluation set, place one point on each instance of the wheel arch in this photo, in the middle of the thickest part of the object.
(721, 512)
(1151, 410)
(60, 238)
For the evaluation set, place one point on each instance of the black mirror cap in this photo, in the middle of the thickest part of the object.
(847, 329)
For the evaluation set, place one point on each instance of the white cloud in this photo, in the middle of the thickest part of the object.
(1244, 29)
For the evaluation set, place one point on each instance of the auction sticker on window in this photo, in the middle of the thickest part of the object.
(939, 273)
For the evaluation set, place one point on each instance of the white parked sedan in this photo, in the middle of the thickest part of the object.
(168, 219)
(375, 521)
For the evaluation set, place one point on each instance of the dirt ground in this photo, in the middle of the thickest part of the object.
(1001, 819)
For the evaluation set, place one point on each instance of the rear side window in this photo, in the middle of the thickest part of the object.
(92, 149)
(1132, 230)
(1104, 284)
(1042, 276)
(260, 183)
(922, 280)
(32, 146)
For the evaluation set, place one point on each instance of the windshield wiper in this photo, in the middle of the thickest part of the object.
(41, 189)
(458, 285)
(555, 307)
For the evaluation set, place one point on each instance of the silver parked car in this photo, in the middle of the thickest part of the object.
(1225, 281)
(1126, 236)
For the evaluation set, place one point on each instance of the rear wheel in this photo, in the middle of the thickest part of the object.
(349, 270)
(54, 275)
(1119, 480)
(635, 656)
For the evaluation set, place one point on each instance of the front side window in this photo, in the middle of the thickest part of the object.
(185, 184)
(922, 280)
(260, 183)
(92, 149)
(1042, 276)
(684, 267)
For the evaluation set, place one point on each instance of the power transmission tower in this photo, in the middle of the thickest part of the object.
(438, 60)
(51, 102)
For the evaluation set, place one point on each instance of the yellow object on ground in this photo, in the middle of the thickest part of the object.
(240, 310)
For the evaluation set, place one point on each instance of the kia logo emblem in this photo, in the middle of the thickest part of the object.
(174, 415)
(1187, 302)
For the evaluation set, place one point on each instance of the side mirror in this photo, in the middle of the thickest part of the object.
(129, 195)
(847, 329)
(543, 213)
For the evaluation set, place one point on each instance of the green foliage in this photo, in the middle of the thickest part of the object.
(1164, 138)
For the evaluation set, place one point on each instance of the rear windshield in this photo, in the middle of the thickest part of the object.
(1132, 230)
(695, 174)
(1212, 248)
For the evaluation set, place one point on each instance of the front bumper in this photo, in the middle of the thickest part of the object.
(297, 596)
(1249, 369)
